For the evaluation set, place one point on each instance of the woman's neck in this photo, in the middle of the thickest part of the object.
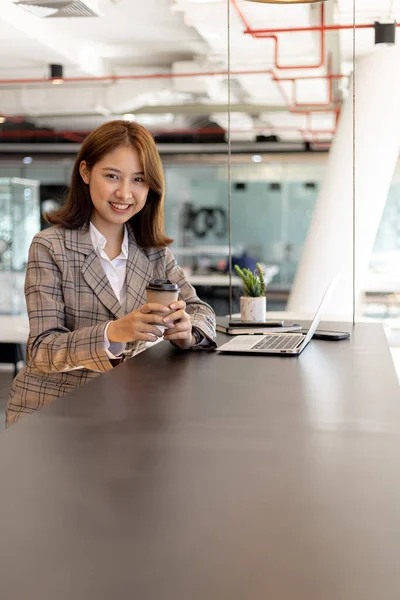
(114, 235)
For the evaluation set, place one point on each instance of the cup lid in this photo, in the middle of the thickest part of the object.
(162, 285)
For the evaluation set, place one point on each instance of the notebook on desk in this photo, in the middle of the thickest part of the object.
(225, 325)
(288, 344)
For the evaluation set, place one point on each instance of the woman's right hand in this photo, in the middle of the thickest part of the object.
(140, 324)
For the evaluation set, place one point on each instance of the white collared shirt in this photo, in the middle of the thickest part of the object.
(115, 271)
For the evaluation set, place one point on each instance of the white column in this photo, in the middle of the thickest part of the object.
(329, 245)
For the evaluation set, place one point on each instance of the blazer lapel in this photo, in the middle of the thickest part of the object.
(79, 240)
(139, 271)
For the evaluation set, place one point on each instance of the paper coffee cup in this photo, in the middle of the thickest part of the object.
(162, 291)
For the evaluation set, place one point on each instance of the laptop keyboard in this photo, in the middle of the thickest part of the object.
(278, 342)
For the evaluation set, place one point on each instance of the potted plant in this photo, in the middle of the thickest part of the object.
(253, 303)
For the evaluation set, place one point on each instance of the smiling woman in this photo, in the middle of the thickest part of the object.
(87, 275)
(132, 146)
(118, 191)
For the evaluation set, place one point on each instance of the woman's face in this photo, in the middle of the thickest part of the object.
(117, 187)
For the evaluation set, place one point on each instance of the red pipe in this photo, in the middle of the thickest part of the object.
(78, 136)
(317, 104)
(39, 133)
(291, 104)
(266, 33)
(321, 27)
(114, 78)
(278, 80)
(260, 34)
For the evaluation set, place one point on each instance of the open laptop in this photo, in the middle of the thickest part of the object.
(289, 344)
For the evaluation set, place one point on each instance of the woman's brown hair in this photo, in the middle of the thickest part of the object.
(148, 224)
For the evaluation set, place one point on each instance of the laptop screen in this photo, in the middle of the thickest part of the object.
(317, 317)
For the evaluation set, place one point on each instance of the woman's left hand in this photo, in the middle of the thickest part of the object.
(181, 332)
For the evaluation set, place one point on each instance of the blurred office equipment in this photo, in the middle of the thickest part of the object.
(20, 220)
(51, 198)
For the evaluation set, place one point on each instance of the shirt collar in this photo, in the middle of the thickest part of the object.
(124, 247)
(99, 241)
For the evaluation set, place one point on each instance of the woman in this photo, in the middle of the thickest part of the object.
(86, 278)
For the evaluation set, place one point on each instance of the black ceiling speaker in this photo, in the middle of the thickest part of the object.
(56, 71)
(385, 33)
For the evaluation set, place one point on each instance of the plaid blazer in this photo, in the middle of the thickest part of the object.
(70, 301)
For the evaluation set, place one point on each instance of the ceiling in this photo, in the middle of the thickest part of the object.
(133, 59)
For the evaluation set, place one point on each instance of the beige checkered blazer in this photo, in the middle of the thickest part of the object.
(70, 301)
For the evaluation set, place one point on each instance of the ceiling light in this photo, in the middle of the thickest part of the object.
(150, 120)
(285, 1)
(128, 117)
(256, 158)
(27, 160)
(2, 119)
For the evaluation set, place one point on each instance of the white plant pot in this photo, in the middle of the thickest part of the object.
(253, 309)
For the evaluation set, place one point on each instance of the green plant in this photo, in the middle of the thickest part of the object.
(253, 283)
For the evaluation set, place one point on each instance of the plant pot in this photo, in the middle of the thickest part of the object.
(253, 309)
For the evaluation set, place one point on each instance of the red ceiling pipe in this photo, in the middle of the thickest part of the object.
(39, 133)
(321, 27)
(278, 80)
(309, 126)
(261, 32)
(114, 78)
(293, 104)
(289, 103)
(78, 136)
(270, 32)
(329, 102)
(275, 39)
(313, 132)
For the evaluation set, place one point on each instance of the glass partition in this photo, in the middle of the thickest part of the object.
(272, 204)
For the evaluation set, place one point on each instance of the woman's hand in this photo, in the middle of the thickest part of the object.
(140, 324)
(180, 326)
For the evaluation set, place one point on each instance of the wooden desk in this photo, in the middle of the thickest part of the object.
(202, 476)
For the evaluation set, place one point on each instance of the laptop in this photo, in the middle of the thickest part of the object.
(288, 344)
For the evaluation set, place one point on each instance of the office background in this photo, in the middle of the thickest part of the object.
(273, 198)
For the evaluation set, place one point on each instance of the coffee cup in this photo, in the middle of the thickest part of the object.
(162, 291)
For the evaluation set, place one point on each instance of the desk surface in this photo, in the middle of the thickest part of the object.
(203, 476)
(14, 328)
